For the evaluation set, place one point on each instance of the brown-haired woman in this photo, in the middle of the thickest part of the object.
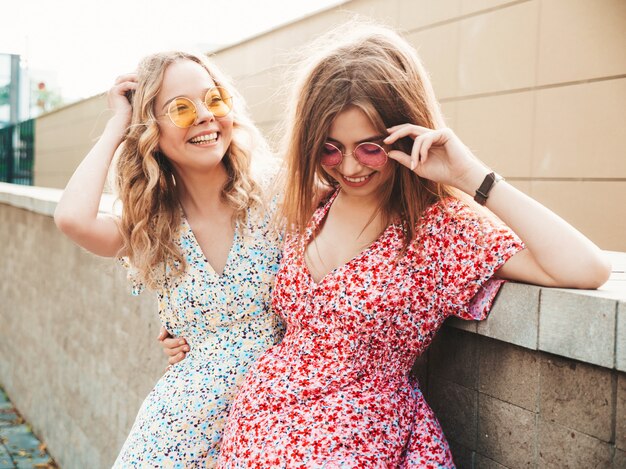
(369, 275)
(195, 228)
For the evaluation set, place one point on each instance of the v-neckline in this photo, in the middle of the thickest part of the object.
(205, 259)
(319, 215)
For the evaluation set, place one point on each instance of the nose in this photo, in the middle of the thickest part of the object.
(202, 113)
(350, 166)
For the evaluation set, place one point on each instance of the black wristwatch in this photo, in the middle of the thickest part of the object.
(482, 192)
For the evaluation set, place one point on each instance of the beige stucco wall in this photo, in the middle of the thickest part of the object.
(79, 353)
(63, 138)
(537, 88)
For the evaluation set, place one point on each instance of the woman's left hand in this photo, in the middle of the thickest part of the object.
(438, 155)
(175, 348)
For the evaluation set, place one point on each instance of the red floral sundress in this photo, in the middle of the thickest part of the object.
(336, 392)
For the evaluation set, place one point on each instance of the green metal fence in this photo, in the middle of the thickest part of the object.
(17, 153)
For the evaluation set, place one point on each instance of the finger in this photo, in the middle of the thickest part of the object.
(428, 142)
(163, 334)
(396, 127)
(437, 138)
(172, 352)
(406, 130)
(172, 342)
(175, 359)
(400, 157)
(172, 347)
(421, 128)
(125, 86)
(126, 77)
(415, 152)
(175, 351)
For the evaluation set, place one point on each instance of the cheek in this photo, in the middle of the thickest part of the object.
(164, 141)
(330, 173)
(226, 127)
(386, 172)
(168, 138)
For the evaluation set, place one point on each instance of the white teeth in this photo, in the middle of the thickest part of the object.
(204, 138)
(361, 179)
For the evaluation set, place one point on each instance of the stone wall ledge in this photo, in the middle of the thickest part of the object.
(584, 325)
(42, 200)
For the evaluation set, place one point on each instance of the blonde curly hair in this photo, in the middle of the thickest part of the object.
(146, 183)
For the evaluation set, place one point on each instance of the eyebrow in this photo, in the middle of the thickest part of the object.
(374, 138)
(169, 101)
(182, 96)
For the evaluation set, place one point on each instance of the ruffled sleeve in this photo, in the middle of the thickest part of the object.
(475, 247)
(132, 274)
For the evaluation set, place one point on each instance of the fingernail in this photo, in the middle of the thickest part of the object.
(181, 342)
(186, 349)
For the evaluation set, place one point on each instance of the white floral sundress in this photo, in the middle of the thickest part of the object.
(228, 324)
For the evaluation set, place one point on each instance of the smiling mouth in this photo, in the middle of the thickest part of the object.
(201, 139)
(357, 180)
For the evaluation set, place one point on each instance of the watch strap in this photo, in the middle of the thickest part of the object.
(483, 191)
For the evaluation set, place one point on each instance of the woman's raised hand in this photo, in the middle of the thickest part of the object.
(117, 97)
(438, 155)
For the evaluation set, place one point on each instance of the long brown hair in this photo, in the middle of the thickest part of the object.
(374, 69)
(145, 179)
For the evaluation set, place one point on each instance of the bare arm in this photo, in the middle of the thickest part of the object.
(76, 214)
(556, 253)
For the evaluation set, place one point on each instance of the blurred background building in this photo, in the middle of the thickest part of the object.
(24, 95)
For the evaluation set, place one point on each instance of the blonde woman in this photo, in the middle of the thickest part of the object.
(194, 227)
(369, 275)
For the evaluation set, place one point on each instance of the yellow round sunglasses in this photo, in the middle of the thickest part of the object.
(183, 112)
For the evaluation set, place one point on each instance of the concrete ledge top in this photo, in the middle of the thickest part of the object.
(586, 325)
(42, 200)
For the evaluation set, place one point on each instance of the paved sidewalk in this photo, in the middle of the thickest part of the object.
(19, 448)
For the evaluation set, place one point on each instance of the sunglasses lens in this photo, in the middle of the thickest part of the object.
(218, 101)
(370, 154)
(331, 156)
(182, 112)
